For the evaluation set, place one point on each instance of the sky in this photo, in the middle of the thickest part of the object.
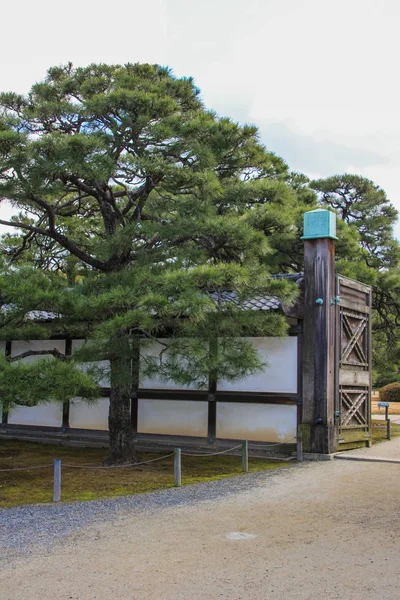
(320, 78)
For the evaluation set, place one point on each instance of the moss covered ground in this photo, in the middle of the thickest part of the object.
(379, 432)
(36, 485)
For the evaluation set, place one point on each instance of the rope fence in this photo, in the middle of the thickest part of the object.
(272, 445)
(212, 453)
(145, 462)
(177, 454)
(25, 468)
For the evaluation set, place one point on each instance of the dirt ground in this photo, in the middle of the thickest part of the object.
(318, 530)
(394, 408)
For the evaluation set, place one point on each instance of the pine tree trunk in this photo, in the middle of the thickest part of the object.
(121, 434)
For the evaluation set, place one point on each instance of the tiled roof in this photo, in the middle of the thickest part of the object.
(33, 315)
(257, 303)
(225, 297)
(291, 276)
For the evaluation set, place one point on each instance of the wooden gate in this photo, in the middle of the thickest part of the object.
(353, 363)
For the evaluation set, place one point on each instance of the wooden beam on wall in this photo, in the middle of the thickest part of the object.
(204, 396)
(300, 342)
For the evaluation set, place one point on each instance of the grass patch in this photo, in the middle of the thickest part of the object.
(379, 431)
(36, 485)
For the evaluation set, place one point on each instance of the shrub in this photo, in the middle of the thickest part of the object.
(390, 393)
(386, 378)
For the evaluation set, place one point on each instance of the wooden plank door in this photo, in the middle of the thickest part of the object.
(353, 360)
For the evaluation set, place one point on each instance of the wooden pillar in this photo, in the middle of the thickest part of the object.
(135, 382)
(134, 411)
(66, 404)
(212, 418)
(212, 388)
(318, 423)
(4, 414)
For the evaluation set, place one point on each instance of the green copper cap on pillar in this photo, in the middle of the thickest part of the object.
(320, 223)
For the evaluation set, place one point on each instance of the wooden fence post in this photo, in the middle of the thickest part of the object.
(57, 480)
(177, 468)
(245, 456)
(389, 429)
(299, 446)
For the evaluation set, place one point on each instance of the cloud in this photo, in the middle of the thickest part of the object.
(323, 156)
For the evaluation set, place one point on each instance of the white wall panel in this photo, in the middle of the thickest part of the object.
(76, 344)
(49, 415)
(89, 416)
(103, 364)
(280, 374)
(157, 383)
(173, 417)
(257, 422)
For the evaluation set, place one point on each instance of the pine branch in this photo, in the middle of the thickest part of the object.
(56, 353)
(65, 243)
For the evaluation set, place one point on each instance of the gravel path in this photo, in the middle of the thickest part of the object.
(319, 530)
(383, 450)
(25, 528)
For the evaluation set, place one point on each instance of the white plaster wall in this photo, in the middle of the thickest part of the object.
(257, 422)
(76, 344)
(49, 414)
(156, 383)
(173, 417)
(103, 364)
(89, 416)
(280, 354)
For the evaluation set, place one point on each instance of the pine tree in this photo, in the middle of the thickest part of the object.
(143, 211)
(365, 207)
(360, 201)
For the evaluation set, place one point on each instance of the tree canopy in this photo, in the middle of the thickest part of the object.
(360, 201)
(364, 206)
(140, 215)
(143, 209)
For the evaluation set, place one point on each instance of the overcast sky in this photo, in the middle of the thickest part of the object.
(320, 78)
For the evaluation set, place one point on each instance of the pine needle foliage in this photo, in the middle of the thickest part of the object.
(139, 209)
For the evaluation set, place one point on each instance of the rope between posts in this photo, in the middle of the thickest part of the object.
(272, 445)
(26, 468)
(64, 465)
(146, 462)
(212, 453)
